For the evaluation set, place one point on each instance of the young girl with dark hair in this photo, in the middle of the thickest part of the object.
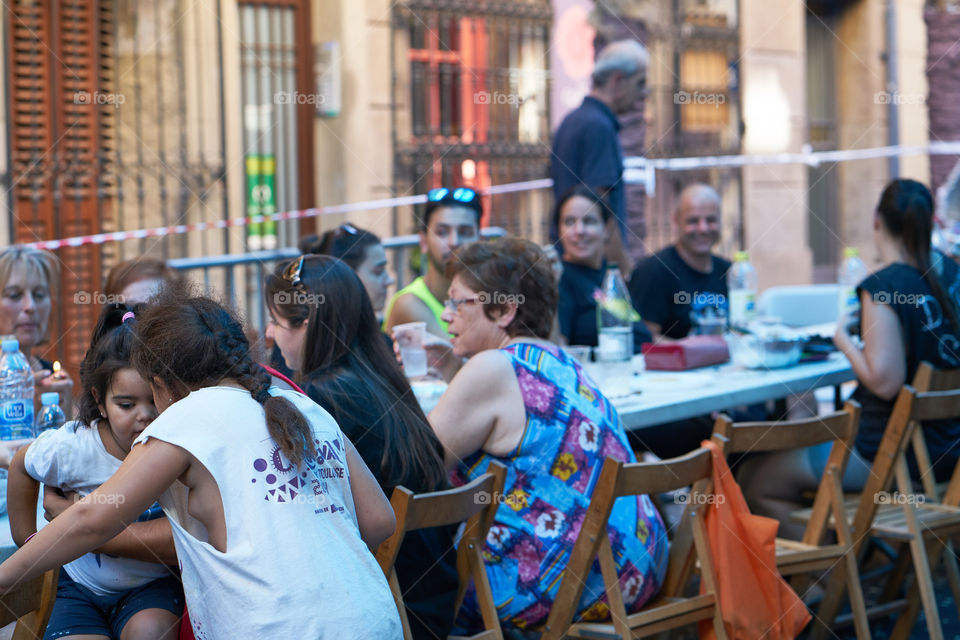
(908, 315)
(100, 594)
(273, 512)
(322, 319)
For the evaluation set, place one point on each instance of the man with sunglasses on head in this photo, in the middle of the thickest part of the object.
(451, 219)
(586, 147)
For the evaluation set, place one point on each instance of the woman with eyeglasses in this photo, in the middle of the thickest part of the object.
(524, 402)
(323, 321)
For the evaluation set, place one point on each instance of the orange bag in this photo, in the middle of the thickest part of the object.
(755, 602)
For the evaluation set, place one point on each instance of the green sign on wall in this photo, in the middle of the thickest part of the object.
(261, 200)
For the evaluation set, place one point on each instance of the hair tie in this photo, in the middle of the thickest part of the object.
(129, 315)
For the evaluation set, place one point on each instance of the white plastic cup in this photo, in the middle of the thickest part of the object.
(409, 339)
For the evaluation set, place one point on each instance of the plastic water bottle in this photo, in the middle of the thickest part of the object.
(851, 273)
(742, 287)
(615, 315)
(51, 415)
(16, 393)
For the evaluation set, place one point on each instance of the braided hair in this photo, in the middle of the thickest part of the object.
(191, 342)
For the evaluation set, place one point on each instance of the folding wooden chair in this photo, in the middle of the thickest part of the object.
(905, 517)
(30, 605)
(671, 609)
(474, 503)
(798, 558)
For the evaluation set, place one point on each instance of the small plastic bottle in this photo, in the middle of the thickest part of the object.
(851, 273)
(16, 393)
(742, 288)
(51, 416)
(614, 319)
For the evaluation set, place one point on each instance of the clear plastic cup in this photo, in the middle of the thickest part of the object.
(409, 339)
(580, 352)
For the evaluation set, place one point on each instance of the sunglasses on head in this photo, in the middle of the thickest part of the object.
(460, 194)
(346, 229)
(292, 273)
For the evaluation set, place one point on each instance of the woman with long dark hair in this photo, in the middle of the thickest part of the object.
(324, 324)
(908, 315)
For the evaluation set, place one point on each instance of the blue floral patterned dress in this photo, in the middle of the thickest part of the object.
(570, 430)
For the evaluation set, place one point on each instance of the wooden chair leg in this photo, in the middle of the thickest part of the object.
(953, 573)
(894, 584)
(858, 605)
(904, 625)
(924, 580)
(398, 599)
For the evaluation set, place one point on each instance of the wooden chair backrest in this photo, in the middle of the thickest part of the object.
(839, 427)
(910, 408)
(761, 437)
(929, 378)
(618, 479)
(31, 603)
(474, 503)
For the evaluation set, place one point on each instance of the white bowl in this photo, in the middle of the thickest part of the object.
(755, 352)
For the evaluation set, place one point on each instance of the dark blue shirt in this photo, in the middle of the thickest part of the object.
(927, 336)
(586, 150)
(577, 308)
(666, 290)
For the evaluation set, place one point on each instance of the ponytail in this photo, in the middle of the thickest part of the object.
(906, 209)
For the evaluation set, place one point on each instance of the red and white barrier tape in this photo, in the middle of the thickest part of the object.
(636, 170)
(155, 232)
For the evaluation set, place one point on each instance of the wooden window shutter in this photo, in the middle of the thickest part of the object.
(62, 143)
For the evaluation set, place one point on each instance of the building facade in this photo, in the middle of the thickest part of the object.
(126, 115)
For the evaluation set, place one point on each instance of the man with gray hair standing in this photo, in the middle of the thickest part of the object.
(586, 147)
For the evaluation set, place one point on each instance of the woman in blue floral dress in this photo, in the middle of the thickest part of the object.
(524, 402)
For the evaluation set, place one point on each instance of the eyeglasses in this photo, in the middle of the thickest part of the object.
(292, 273)
(454, 304)
(460, 194)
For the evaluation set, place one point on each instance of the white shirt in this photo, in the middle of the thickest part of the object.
(73, 458)
(295, 564)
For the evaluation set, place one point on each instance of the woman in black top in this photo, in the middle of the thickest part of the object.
(582, 218)
(908, 315)
(323, 321)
